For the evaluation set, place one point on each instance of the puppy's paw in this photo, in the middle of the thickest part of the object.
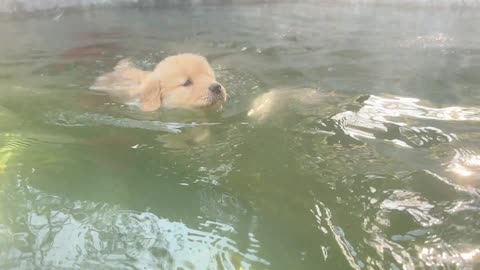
(262, 106)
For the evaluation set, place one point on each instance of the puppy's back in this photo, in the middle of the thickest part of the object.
(123, 82)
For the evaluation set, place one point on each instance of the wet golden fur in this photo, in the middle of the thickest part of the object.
(178, 81)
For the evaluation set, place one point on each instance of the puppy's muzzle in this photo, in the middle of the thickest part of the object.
(215, 88)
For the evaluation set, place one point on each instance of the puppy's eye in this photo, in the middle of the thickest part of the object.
(188, 82)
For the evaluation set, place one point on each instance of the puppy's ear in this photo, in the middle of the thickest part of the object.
(151, 95)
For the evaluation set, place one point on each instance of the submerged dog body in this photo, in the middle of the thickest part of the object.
(184, 81)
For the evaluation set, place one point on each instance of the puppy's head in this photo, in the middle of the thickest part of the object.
(184, 80)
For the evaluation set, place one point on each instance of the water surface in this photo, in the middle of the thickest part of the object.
(380, 170)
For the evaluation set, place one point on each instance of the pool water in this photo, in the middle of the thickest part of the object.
(378, 169)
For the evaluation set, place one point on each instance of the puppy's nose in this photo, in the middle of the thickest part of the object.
(215, 88)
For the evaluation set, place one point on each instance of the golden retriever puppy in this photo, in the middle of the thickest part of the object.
(179, 81)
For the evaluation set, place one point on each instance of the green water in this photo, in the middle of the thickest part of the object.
(380, 170)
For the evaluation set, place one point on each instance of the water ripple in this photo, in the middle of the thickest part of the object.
(397, 106)
(414, 220)
(323, 217)
(412, 204)
(465, 163)
(59, 233)
(393, 119)
(95, 119)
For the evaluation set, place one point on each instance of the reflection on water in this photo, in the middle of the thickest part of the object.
(465, 163)
(411, 204)
(366, 155)
(393, 119)
(46, 231)
(409, 107)
(326, 226)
